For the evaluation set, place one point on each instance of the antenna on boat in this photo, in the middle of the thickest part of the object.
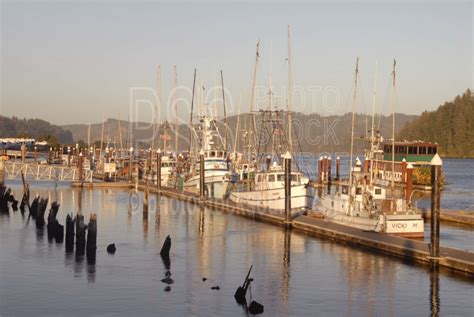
(393, 122)
(176, 126)
(354, 95)
(191, 116)
(372, 127)
(290, 95)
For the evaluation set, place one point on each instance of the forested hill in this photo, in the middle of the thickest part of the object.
(34, 128)
(451, 126)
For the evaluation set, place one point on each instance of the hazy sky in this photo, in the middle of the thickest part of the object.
(75, 62)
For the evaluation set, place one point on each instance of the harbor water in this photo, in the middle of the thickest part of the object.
(294, 274)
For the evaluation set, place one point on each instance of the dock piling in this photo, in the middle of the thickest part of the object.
(201, 175)
(69, 233)
(436, 164)
(288, 187)
(338, 168)
(158, 169)
(91, 237)
(409, 182)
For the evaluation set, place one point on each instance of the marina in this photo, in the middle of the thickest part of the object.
(210, 160)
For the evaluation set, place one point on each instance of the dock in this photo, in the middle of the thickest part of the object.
(414, 251)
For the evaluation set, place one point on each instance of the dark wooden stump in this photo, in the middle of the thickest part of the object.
(69, 233)
(80, 235)
(92, 237)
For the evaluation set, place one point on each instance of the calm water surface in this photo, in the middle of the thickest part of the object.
(294, 274)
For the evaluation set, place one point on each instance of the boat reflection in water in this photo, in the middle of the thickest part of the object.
(293, 274)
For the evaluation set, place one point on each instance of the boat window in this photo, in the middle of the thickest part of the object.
(280, 177)
(412, 150)
(294, 178)
(213, 154)
(345, 190)
(271, 178)
(164, 165)
(220, 154)
(432, 150)
(358, 191)
(401, 149)
(378, 191)
(206, 154)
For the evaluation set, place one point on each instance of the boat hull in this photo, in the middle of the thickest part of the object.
(301, 197)
(216, 184)
(404, 225)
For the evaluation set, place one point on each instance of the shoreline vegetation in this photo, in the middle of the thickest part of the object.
(451, 125)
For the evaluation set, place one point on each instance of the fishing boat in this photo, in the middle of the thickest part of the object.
(365, 206)
(360, 203)
(210, 144)
(267, 188)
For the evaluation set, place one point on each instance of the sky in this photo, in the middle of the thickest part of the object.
(82, 61)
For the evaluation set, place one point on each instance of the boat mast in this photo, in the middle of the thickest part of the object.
(102, 139)
(191, 116)
(236, 140)
(354, 95)
(290, 96)
(270, 93)
(225, 113)
(120, 136)
(252, 143)
(158, 90)
(372, 136)
(393, 123)
(176, 126)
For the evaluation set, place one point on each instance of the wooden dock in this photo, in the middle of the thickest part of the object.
(406, 249)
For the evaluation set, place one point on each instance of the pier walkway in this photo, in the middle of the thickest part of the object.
(406, 249)
(44, 172)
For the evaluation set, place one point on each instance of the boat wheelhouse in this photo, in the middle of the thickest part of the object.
(414, 152)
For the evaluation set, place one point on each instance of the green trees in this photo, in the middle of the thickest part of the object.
(451, 126)
(33, 128)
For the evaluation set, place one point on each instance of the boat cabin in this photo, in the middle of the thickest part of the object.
(415, 152)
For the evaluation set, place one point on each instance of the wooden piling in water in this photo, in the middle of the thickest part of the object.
(202, 182)
(69, 233)
(436, 164)
(158, 169)
(409, 182)
(91, 237)
(80, 234)
(288, 187)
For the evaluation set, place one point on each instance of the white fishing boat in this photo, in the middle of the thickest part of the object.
(361, 204)
(168, 167)
(267, 188)
(370, 207)
(217, 171)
